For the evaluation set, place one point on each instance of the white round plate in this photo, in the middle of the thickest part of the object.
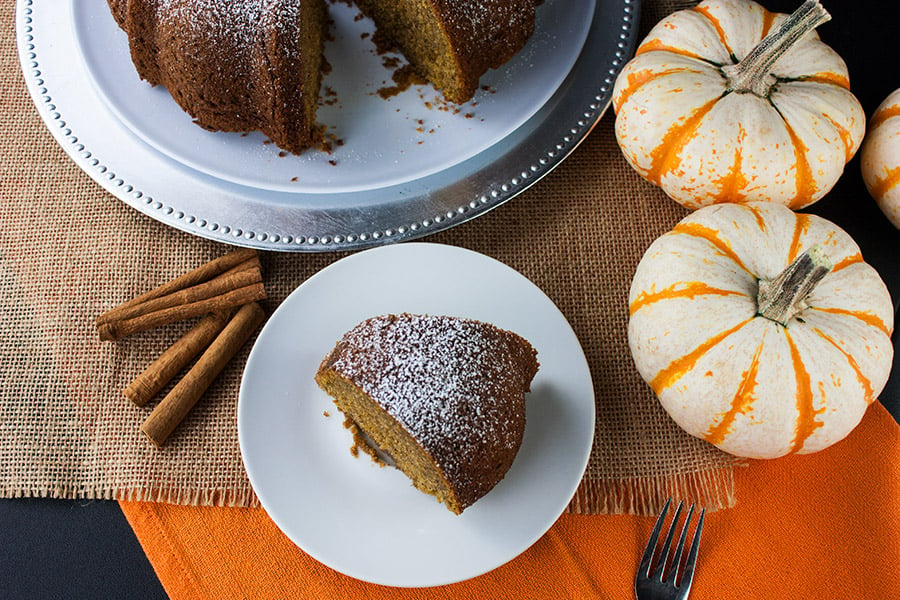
(367, 521)
(386, 141)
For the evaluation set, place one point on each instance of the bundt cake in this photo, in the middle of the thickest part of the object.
(246, 65)
(233, 65)
(444, 397)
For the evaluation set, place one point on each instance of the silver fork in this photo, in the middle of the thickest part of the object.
(652, 581)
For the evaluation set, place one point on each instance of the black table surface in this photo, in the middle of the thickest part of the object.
(85, 549)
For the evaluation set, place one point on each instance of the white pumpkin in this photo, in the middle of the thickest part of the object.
(727, 102)
(743, 344)
(880, 157)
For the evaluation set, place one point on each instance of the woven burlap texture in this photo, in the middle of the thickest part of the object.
(70, 251)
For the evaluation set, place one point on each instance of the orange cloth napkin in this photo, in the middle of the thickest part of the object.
(820, 526)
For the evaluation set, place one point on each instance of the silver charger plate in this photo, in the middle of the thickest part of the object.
(244, 211)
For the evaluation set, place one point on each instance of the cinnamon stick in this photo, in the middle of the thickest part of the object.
(226, 282)
(118, 329)
(185, 394)
(176, 357)
(202, 273)
(250, 263)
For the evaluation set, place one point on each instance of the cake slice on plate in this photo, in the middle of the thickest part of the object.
(443, 396)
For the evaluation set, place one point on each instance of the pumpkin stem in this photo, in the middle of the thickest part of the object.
(785, 296)
(752, 74)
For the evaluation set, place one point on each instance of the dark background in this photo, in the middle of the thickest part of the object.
(85, 549)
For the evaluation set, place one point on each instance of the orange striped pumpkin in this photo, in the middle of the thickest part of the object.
(880, 157)
(728, 102)
(741, 354)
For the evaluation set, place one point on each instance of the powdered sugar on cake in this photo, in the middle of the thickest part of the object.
(443, 379)
(243, 23)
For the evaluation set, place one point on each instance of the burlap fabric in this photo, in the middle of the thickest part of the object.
(69, 251)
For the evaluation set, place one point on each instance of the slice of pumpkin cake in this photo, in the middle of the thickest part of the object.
(443, 396)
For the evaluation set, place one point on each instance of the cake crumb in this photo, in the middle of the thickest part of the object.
(328, 142)
(390, 62)
(329, 96)
(404, 78)
(361, 443)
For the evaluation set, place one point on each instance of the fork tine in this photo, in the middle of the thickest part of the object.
(649, 550)
(688, 574)
(667, 545)
(679, 549)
